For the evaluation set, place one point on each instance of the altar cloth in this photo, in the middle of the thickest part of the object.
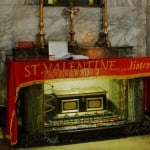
(22, 72)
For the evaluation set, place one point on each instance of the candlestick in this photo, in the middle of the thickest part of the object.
(40, 36)
(70, 12)
(103, 36)
(106, 23)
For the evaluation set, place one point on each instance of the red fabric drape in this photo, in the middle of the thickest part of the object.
(21, 73)
(11, 122)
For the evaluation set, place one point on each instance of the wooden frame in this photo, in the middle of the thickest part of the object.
(89, 3)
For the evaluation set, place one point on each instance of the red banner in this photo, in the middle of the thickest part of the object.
(26, 72)
(122, 68)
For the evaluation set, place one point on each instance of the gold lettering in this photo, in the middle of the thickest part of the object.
(134, 65)
(57, 66)
(97, 71)
(96, 64)
(31, 70)
(146, 65)
(112, 64)
(80, 66)
(64, 65)
(35, 68)
(46, 67)
(107, 65)
(28, 72)
(72, 66)
(104, 65)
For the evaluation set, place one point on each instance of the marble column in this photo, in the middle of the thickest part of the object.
(148, 27)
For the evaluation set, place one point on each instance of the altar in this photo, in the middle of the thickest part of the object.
(76, 100)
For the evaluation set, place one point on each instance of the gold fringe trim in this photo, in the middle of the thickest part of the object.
(79, 78)
(59, 79)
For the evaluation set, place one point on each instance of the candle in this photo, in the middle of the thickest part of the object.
(50, 1)
(91, 2)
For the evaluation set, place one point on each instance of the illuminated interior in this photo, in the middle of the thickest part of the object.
(84, 102)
